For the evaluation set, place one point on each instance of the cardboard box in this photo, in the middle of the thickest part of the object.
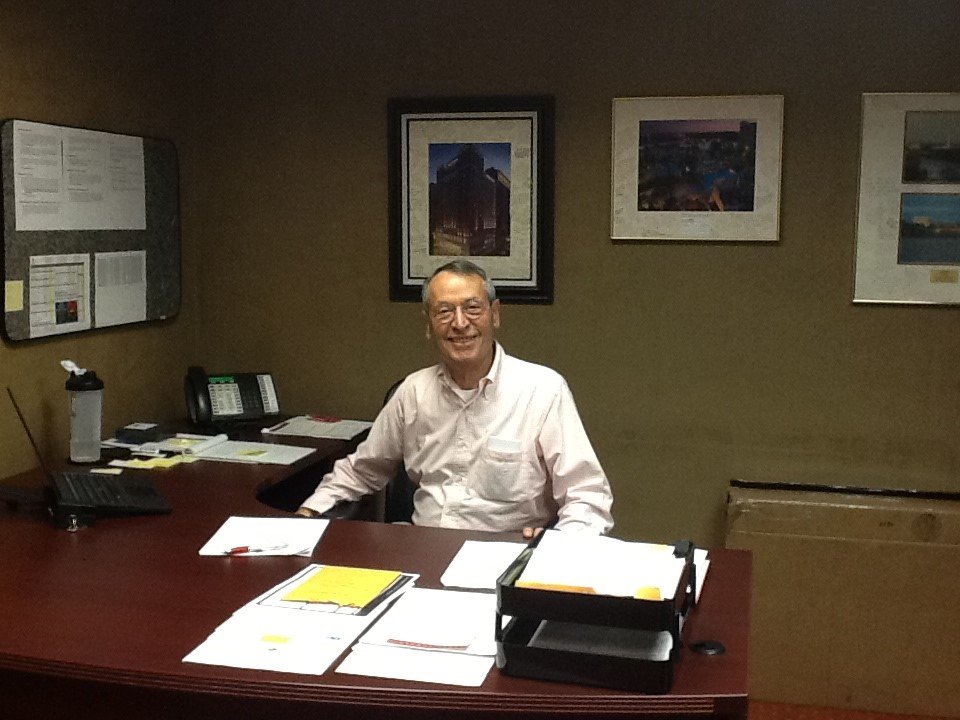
(856, 597)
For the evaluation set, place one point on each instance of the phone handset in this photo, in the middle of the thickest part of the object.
(229, 396)
(197, 396)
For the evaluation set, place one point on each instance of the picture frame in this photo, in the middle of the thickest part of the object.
(472, 177)
(908, 204)
(696, 168)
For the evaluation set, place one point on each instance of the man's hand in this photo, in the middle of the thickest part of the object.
(307, 512)
(529, 532)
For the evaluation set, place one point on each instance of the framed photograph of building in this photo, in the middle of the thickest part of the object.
(696, 168)
(472, 177)
(908, 210)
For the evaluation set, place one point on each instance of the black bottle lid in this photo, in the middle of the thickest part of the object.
(86, 381)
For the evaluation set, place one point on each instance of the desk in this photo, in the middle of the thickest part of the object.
(95, 623)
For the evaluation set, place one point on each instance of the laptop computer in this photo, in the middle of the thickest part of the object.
(80, 497)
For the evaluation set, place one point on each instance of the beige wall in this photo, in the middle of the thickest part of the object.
(107, 66)
(691, 363)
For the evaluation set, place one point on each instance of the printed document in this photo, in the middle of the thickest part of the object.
(77, 179)
(437, 636)
(266, 536)
(439, 620)
(478, 564)
(266, 634)
(417, 665)
(218, 447)
(596, 564)
(319, 427)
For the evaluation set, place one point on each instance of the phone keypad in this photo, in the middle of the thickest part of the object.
(225, 399)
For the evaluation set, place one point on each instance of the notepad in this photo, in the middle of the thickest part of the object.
(345, 587)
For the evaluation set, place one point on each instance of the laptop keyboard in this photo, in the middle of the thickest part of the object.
(108, 493)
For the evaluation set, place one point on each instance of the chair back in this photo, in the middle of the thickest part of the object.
(398, 494)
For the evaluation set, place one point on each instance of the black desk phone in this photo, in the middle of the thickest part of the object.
(229, 396)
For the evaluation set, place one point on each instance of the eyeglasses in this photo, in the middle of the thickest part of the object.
(471, 309)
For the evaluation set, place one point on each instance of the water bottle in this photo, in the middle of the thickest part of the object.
(86, 408)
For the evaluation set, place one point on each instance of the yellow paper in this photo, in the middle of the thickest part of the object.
(556, 587)
(343, 586)
(13, 296)
(648, 593)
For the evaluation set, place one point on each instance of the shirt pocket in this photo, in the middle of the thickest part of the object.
(499, 474)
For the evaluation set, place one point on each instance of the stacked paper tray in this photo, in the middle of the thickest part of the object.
(617, 642)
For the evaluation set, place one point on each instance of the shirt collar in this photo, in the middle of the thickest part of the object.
(487, 380)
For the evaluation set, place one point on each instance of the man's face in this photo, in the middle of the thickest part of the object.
(462, 321)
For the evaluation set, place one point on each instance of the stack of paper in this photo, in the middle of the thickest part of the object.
(258, 536)
(438, 636)
(596, 564)
(478, 564)
(274, 633)
(219, 447)
(319, 427)
(354, 591)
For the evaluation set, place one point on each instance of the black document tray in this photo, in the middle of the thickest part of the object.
(529, 607)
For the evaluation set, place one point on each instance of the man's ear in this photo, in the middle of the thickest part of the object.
(495, 313)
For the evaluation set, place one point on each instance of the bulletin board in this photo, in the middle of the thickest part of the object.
(91, 229)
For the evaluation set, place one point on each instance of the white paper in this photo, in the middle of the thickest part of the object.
(76, 179)
(417, 665)
(310, 426)
(253, 452)
(266, 536)
(185, 443)
(59, 294)
(603, 640)
(121, 287)
(478, 564)
(278, 639)
(702, 563)
(606, 565)
(439, 620)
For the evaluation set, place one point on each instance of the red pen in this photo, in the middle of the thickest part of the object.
(247, 550)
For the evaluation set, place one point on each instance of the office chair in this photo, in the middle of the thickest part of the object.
(397, 495)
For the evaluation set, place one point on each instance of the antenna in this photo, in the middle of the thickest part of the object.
(23, 421)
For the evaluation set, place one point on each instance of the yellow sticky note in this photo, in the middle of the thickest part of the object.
(13, 296)
(275, 639)
(647, 593)
(557, 587)
(343, 586)
(167, 462)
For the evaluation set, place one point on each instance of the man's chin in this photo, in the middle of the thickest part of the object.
(464, 351)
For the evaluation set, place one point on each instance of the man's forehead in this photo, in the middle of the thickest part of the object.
(450, 286)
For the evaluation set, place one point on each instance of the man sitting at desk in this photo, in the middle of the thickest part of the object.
(492, 442)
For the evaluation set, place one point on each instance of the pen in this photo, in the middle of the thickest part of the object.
(247, 550)
(277, 427)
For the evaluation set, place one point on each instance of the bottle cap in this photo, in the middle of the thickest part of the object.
(86, 381)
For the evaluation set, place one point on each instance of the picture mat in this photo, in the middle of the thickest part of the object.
(517, 128)
(878, 277)
(760, 225)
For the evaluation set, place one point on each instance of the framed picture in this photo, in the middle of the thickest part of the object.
(472, 177)
(696, 168)
(908, 210)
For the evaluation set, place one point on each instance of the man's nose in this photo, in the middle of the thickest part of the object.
(460, 318)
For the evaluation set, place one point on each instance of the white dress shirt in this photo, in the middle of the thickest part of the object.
(511, 454)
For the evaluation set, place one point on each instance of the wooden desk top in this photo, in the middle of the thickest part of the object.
(95, 623)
